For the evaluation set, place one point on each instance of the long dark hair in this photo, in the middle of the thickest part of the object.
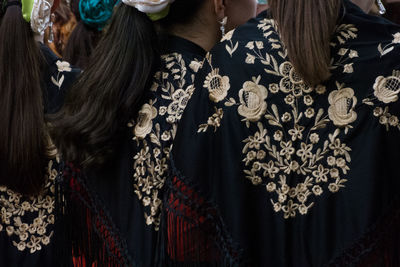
(23, 141)
(306, 27)
(111, 90)
(81, 42)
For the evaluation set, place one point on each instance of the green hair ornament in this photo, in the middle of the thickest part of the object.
(27, 6)
(159, 15)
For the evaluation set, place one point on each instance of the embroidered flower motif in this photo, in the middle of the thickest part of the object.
(337, 147)
(166, 136)
(250, 59)
(393, 120)
(320, 89)
(317, 190)
(314, 138)
(387, 89)
(271, 187)
(309, 113)
(308, 100)
(321, 174)
(250, 45)
(180, 98)
(261, 154)
(63, 66)
(341, 109)
(290, 209)
(334, 173)
(331, 161)
(145, 122)
(333, 188)
(292, 82)
(278, 135)
(256, 180)
(353, 54)
(342, 51)
(270, 169)
(252, 98)
(348, 68)
(195, 65)
(341, 163)
(286, 117)
(297, 132)
(217, 85)
(274, 88)
(24, 218)
(289, 99)
(305, 151)
(227, 36)
(290, 150)
(287, 149)
(250, 156)
(396, 38)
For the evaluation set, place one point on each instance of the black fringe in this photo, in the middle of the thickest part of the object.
(379, 246)
(84, 228)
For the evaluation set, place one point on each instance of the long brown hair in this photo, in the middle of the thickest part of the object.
(22, 136)
(81, 42)
(111, 90)
(306, 28)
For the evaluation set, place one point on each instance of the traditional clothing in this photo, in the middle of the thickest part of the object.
(117, 209)
(269, 171)
(27, 224)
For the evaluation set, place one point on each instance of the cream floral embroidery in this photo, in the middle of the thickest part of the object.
(295, 148)
(386, 91)
(156, 128)
(386, 119)
(344, 32)
(213, 121)
(230, 47)
(216, 84)
(285, 161)
(252, 100)
(342, 103)
(389, 47)
(145, 122)
(27, 220)
(62, 66)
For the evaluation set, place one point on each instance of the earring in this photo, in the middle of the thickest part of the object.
(223, 23)
(51, 34)
(382, 9)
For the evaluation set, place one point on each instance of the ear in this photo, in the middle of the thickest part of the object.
(219, 8)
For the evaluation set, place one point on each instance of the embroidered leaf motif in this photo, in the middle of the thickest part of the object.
(231, 49)
(386, 51)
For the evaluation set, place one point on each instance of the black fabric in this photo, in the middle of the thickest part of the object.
(113, 190)
(247, 78)
(37, 246)
(53, 94)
